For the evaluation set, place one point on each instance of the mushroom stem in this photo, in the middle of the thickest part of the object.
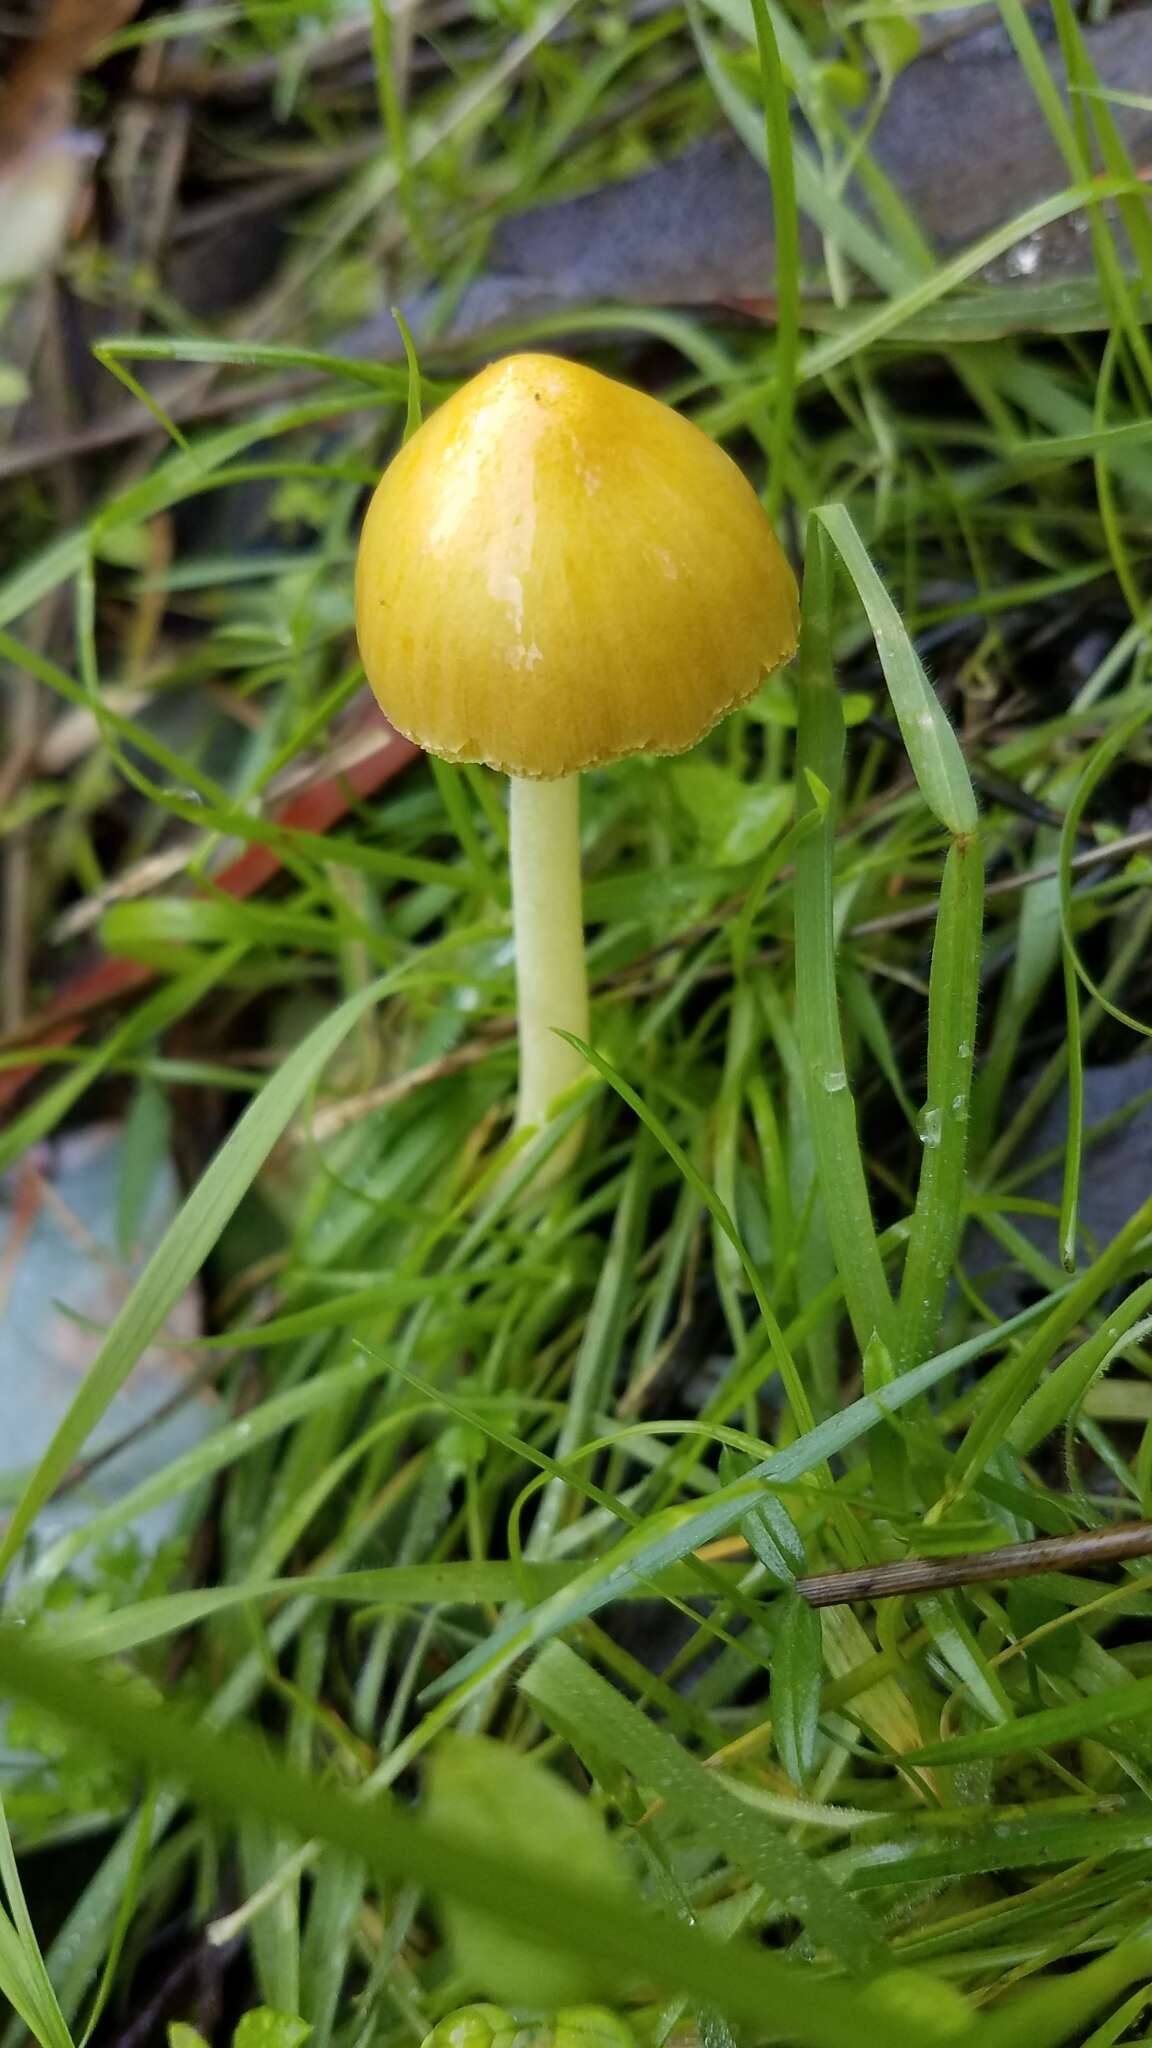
(551, 977)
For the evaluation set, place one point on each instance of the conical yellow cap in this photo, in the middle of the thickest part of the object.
(557, 571)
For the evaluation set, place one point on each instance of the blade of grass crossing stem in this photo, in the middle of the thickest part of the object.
(232, 1774)
(782, 174)
(831, 1110)
(23, 1976)
(953, 996)
(587, 1709)
(183, 1250)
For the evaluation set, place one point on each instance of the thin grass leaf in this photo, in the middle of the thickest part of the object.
(831, 1110)
(1047, 1729)
(116, 350)
(414, 412)
(933, 748)
(126, 1912)
(786, 284)
(1074, 1142)
(394, 122)
(797, 1676)
(953, 996)
(1066, 1386)
(395, 1588)
(21, 1962)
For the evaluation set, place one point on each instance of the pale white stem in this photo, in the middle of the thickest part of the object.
(551, 978)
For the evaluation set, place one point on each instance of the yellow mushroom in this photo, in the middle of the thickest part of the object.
(555, 572)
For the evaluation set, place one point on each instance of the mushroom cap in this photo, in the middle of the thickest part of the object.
(557, 570)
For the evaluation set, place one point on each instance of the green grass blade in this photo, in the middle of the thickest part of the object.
(390, 382)
(21, 1962)
(587, 1709)
(933, 748)
(786, 284)
(1091, 1717)
(953, 997)
(1074, 1142)
(831, 1110)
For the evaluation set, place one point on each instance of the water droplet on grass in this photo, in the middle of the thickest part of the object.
(930, 1122)
(834, 1080)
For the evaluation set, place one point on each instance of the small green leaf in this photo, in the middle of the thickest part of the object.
(846, 84)
(181, 2035)
(591, 2026)
(771, 1536)
(736, 820)
(265, 2028)
(493, 1797)
(928, 2001)
(797, 1667)
(895, 42)
(473, 2026)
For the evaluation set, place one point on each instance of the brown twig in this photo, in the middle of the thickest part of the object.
(1084, 1551)
(338, 1116)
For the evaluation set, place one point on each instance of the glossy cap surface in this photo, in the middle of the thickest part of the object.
(557, 571)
